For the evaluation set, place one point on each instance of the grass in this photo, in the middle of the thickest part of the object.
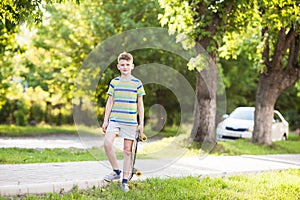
(268, 185)
(20, 155)
(162, 148)
(29, 131)
(23, 155)
(44, 130)
(245, 146)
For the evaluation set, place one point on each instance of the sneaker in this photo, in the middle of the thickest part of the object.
(112, 176)
(125, 187)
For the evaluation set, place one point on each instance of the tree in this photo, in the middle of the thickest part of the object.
(276, 55)
(205, 22)
(280, 33)
(16, 12)
(270, 38)
(67, 35)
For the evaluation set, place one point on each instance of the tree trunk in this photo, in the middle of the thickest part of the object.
(205, 106)
(277, 78)
(205, 115)
(264, 109)
(59, 120)
(159, 126)
(47, 112)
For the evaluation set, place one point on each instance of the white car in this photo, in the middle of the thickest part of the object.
(240, 124)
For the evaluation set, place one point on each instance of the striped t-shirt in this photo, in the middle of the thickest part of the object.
(125, 95)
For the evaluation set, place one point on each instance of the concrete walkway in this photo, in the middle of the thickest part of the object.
(56, 177)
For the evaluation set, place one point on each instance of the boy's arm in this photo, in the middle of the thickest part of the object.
(108, 108)
(141, 114)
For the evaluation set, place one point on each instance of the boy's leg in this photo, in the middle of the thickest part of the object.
(127, 158)
(109, 150)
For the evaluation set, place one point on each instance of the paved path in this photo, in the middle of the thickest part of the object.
(54, 177)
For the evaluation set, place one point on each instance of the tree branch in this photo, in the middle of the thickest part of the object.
(293, 53)
(289, 37)
(279, 49)
(292, 71)
(266, 52)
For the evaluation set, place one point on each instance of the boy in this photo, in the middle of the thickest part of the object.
(125, 101)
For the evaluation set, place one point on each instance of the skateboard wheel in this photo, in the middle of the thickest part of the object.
(143, 138)
(138, 173)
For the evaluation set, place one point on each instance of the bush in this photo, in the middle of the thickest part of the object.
(293, 118)
(21, 114)
(4, 113)
(37, 113)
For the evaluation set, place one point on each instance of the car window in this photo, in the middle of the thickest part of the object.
(242, 114)
(276, 118)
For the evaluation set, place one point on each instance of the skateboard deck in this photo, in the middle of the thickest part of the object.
(134, 171)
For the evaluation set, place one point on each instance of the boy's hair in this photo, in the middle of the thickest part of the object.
(125, 56)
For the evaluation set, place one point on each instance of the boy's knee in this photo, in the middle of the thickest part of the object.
(127, 152)
(107, 143)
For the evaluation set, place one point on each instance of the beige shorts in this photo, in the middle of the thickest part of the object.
(125, 131)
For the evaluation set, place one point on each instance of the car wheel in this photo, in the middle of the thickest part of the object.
(284, 137)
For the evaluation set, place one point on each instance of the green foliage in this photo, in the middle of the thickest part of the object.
(13, 13)
(245, 43)
(62, 35)
(257, 27)
(289, 104)
(4, 112)
(244, 30)
(176, 13)
(5, 76)
(58, 46)
(240, 80)
(278, 14)
(16, 12)
(21, 114)
(37, 113)
(202, 21)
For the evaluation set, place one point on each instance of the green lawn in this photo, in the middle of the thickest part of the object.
(44, 130)
(20, 155)
(29, 131)
(242, 147)
(237, 147)
(268, 185)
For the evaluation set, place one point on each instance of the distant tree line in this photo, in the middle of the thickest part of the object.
(44, 45)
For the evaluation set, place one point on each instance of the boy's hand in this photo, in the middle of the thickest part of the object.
(142, 136)
(104, 126)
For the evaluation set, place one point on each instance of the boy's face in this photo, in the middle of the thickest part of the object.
(125, 66)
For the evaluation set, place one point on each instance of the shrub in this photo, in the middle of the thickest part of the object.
(37, 113)
(21, 114)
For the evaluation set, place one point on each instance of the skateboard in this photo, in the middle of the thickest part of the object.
(134, 171)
